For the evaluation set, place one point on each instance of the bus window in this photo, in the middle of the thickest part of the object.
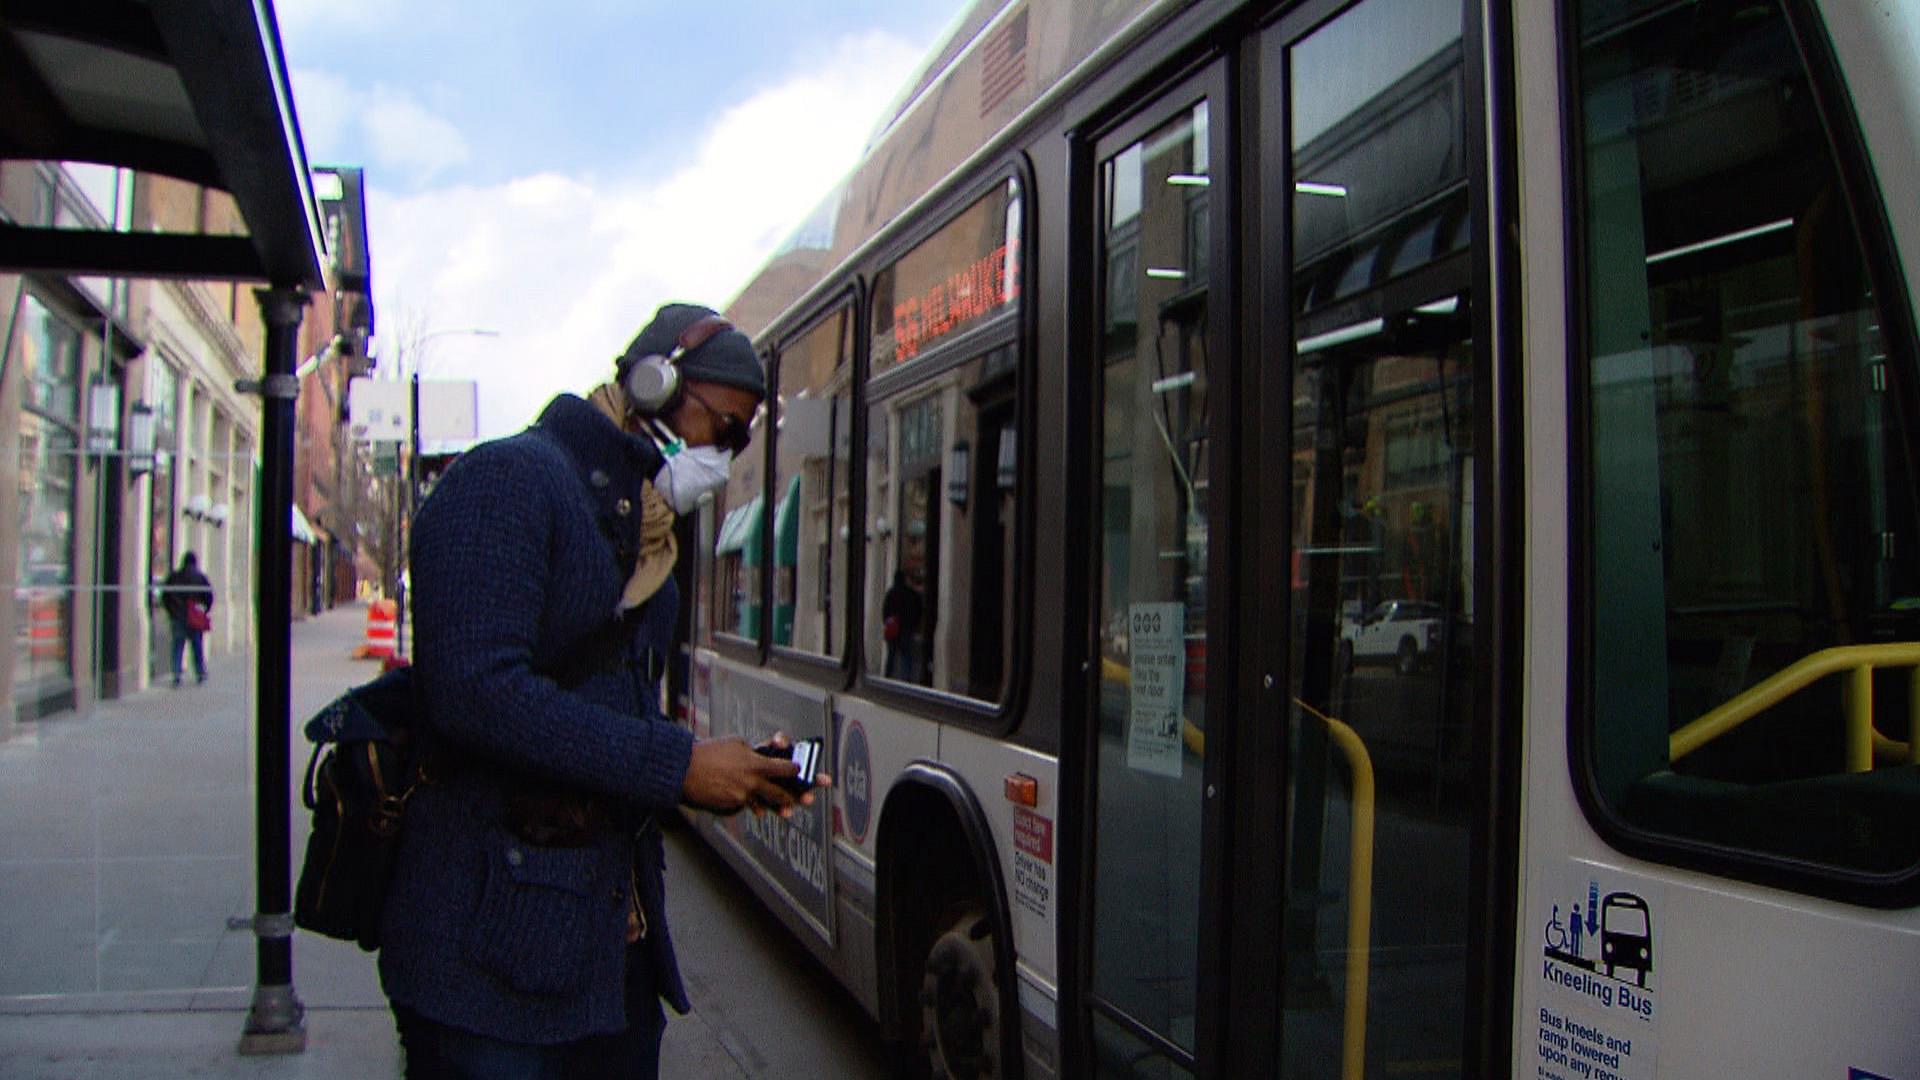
(1155, 438)
(1378, 845)
(959, 279)
(1749, 508)
(940, 557)
(810, 488)
(943, 459)
(733, 582)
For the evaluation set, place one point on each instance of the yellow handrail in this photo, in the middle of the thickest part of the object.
(1353, 1056)
(1858, 662)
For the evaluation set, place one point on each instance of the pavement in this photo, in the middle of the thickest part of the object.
(126, 845)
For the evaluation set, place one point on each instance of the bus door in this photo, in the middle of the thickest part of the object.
(1163, 416)
(1284, 851)
(1369, 195)
(1284, 856)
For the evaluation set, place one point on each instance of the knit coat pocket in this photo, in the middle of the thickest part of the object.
(537, 922)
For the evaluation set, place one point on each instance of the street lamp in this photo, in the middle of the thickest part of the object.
(413, 458)
(139, 439)
(419, 361)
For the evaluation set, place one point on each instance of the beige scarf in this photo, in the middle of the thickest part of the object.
(658, 548)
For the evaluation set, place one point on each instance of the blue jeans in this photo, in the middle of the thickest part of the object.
(183, 637)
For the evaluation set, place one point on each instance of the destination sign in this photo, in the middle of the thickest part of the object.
(950, 282)
(971, 294)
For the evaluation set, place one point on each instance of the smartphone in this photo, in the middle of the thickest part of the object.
(802, 752)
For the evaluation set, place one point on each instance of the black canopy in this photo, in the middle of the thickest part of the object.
(194, 89)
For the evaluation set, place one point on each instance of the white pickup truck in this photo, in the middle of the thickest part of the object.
(1406, 633)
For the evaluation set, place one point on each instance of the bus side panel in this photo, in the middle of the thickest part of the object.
(873, 746)
(1712, 977)
(1026, 841)
(788, 862)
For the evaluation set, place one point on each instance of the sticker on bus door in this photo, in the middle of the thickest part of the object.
(1599, 969)
(1032, 861)
(1157, 691)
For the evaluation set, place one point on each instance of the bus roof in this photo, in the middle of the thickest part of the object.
(998, 64)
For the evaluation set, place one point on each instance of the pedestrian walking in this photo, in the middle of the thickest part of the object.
(900, 613)
(525, 928)
(187, 596)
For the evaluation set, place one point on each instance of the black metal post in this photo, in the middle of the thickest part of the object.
(276, 1023)
(405, 555)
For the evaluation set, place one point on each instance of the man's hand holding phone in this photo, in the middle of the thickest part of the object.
(727, 774)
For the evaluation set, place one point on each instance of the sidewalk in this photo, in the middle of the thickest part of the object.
(126, 842)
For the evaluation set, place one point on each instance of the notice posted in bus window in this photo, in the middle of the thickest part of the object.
(1156, 644)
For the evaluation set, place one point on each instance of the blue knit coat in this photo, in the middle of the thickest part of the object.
(519, 556)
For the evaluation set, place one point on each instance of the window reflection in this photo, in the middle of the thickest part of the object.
(1752, 501)
(1155, 439)
(47, 348)
(1382, 573)
(811, 489)
(942, 484)
(736, 605)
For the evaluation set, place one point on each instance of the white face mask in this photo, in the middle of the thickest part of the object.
(691, 473)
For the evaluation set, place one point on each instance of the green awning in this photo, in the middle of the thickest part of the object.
(740, 532)
(786, 526)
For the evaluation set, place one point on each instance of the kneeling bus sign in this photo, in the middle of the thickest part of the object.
(1595, 949)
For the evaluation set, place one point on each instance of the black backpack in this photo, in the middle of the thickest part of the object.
(365, 765)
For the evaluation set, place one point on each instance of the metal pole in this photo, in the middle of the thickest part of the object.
(276, 1024)
(412, 503)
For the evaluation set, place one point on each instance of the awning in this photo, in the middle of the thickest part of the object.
(302, 529)
(740, 532)
(193, 89)
(786, 526)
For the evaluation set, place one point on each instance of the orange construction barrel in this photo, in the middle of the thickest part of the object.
(381, 631)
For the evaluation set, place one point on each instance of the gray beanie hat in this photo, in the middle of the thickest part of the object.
(725, 359)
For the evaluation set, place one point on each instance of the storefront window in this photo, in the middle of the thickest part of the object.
(48, 352)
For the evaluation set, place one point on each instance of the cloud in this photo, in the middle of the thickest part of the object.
(300, 18)
(402, 136)
(567, 268)
(325, 104)
(406, 136)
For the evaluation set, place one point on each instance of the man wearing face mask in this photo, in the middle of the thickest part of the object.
(525, 932)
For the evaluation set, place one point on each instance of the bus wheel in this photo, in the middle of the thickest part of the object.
(960, 1000)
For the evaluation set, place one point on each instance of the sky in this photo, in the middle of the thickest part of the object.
(553, 172)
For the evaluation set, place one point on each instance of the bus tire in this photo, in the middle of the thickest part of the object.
(960, 999)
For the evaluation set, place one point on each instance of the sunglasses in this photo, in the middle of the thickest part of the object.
(730, 433)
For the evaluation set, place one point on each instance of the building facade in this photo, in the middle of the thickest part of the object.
(97, 516)
(329, 491)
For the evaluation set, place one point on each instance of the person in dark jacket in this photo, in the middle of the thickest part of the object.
(525, 928)
(185, 587)
(900, 613)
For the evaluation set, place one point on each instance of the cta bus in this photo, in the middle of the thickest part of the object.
(1152, 347)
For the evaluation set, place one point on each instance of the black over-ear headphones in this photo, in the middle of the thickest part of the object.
(653, 383)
